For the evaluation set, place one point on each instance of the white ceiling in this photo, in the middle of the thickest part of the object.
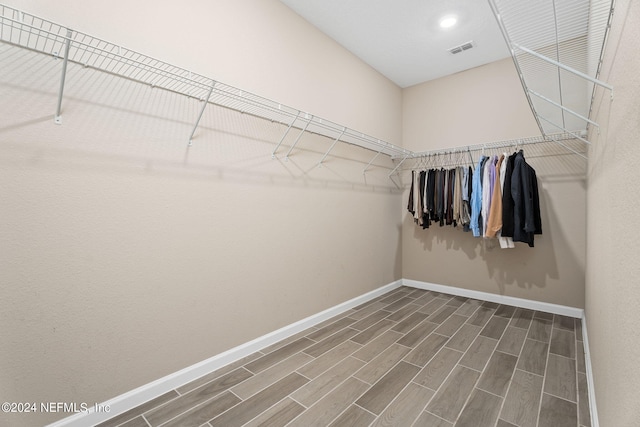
(402, 39)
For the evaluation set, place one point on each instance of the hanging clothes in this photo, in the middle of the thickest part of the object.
(499, 198)
(487, 191)
(476, 198)
(494, 224)
(524, 191)
(505, 242)
(507, 199)
(467, 187)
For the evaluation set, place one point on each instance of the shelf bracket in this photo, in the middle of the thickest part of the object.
(286, 158)
(568, 110)
(564, 67)
(273, 154)
(331, 148)
(372, 160)
(566, 130)
(206, 101)
(58, 117)
(398, 165)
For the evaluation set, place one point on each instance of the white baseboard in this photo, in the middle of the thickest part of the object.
(500, 299)
(589, 371)
(145, 393)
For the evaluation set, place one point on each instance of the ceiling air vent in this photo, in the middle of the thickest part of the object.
(461, 48)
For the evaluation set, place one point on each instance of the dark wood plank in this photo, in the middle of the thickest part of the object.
(495, 327)
(438, 369)
(563, 343)
(373, 331)
(276, 356)
(481, 410)
(354, 416)
(403, 313)
(505, 311)
(269, 376)
(139, 410)
(534, 357)
(377, 346)
(330, 342)
(218, 373)
(512, 341)
(521, 318)
(259, 402)
(329, 407)
(441, 314)
(543, 315)
(433, 306)
(556, 412)
(479, 353)
(278, 415)
(405, 408)
(523, 400)
(457, 301)
(330, 329)
(316, 389)
(450, 399)
(540, 330)
(481, 316)
(564, 322)
(560, 379)
(199, 415)
(427, 419)
(370, 320)
(469, 307)
(409, 323)
(424, 351)
(388, 387)
(417, 334)
(379, 366)
(328, 359)
(464, 337)
(451, 325)
(497, 375)
(397, 305)
(195, 397)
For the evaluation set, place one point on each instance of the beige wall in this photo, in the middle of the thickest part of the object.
(478, 106)
(612, 285)
(126, 256)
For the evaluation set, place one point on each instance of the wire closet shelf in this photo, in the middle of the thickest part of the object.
(557, 48)
(31, 32)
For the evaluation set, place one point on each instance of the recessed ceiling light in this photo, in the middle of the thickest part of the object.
(448, 21)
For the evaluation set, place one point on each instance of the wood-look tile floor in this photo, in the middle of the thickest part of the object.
(407, 358)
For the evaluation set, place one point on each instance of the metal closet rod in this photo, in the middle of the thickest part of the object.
(549, 138)
(36, 34)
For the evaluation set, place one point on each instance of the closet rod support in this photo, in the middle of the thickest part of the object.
(398, 165)
(275, 150)
(204, 105)
(575, 135)
(564, 67)
(58, 117)
(344, 129)
(568, 110)
(372, 160)
(298, 138)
